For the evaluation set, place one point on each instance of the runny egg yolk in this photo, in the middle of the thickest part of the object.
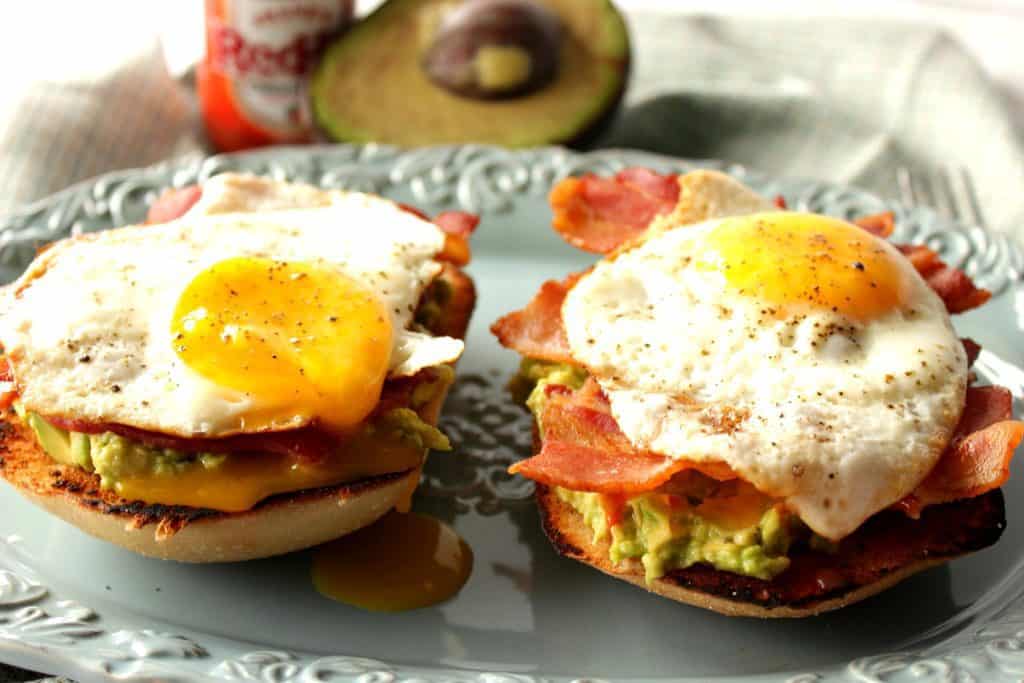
(299, 338)
(789, 259)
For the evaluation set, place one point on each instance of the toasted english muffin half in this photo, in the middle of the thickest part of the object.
(279, 524)
(885, 550)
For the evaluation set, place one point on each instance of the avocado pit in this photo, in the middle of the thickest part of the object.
(495, 48)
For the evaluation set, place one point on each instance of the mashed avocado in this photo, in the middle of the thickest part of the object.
(114, 457)
(666, 537)
(733, 530)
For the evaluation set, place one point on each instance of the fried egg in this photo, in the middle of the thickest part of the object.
(223, 323)
(804, 352)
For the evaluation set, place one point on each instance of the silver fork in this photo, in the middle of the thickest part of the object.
(950, 191)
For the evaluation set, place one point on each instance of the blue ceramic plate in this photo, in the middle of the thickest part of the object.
(76, 606)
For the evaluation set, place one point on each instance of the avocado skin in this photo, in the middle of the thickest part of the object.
(328, 128)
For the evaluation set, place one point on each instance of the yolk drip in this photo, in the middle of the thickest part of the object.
(402, 562)
(302, 339)
(822, 262)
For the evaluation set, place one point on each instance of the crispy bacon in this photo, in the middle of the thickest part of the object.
(457, 223)
(579, 468)
(455, 250)
(972, 349)
(173, 204)
(409, 208)
(457, 227)
(306, 444)
(537, 330)
(878, 224)
(598, 214)
(583, 449)
(951, 284)
(978, 457)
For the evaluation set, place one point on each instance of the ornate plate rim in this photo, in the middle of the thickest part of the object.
(41, 631)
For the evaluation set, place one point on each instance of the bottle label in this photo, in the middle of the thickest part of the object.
(265, 49)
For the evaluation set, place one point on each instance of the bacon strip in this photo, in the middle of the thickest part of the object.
(309, 445)
(306, 444)
(173, 204)
(598, 214)
(455, 251)
(978, 457)
(457, 223)
(952, 285)
(457, 227)
(878, 224)
(583, 449)
(972, 349)
(537, 330)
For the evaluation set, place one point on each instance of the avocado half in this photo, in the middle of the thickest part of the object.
(370, 86)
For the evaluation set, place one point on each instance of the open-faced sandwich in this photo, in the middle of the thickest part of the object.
(259, 372)
(756, 411)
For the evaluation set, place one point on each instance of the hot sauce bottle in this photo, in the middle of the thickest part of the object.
(258, 55)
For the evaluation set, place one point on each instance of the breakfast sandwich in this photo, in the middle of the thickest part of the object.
(258, 369)
(757, 411)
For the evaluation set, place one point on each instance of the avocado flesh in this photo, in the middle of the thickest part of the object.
(111, 456)
(81, 448)
(55, 441)
(370, 87)
(664, 536)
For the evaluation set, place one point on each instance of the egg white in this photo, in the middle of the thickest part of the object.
(840, 425)
(88, 325)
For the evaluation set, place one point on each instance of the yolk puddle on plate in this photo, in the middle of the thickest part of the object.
(402, 562)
